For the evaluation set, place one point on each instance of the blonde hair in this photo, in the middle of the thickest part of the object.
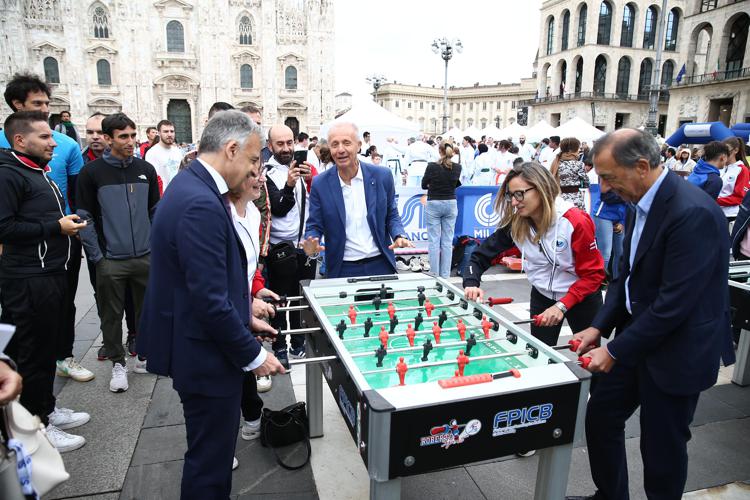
(446, 155)
(547, 188)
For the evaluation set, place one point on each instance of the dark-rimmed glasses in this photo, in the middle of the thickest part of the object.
(518, 195)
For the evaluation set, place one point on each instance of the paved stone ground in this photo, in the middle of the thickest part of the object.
(136, 441)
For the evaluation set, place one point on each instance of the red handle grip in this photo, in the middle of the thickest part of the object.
(585, 362)
(449, 383)
(574, 344)
(499, 300)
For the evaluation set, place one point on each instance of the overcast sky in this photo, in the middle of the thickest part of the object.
(394, 37)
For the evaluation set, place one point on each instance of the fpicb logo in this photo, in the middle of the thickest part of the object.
(507, 421)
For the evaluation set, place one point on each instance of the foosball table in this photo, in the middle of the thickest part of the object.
(426, 379)
(739, 296)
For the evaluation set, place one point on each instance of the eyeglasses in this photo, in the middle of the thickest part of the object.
(518, 195)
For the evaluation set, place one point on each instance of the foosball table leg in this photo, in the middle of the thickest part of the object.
(741, 374)
(554, 463)
(314, 394)
(378, 458)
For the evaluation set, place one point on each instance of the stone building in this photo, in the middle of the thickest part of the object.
(478, 106)
(172, 59)
(596, 59)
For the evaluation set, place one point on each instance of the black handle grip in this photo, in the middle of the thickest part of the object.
(389, 277)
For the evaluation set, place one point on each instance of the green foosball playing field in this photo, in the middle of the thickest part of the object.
(441, 359)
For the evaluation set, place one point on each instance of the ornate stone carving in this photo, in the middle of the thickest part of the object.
(44, 14)
(689, 106)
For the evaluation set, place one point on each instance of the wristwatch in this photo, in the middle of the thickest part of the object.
(561, 306)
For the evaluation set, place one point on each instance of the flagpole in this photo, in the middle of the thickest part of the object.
(653, 93)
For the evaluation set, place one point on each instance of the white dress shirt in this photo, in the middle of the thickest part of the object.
(221, 185)
(359, 241)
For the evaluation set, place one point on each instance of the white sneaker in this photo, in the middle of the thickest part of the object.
(264, 383)
(119, 380)
(425, 262)
(235, 463)
(64, 441)
(415, 264)
(65, 418)
(250, 430)
(526, 453)
(140, 366)
(69, 367)
(401, 265)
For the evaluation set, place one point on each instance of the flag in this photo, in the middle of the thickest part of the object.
(680, 74)
(716, 72)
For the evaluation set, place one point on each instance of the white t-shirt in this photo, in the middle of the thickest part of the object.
(359, 241)
(166, 161)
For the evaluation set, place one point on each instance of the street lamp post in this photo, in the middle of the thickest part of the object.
(377, 82)
(445, 48)
(652, 126)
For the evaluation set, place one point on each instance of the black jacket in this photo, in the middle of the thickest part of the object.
(741, 225)
(30, 207)
(117, 198)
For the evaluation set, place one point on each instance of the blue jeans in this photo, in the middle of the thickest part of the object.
(441, 222)
(609, 243)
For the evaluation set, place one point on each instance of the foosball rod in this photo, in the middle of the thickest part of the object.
(382, 309)
(309, 361)
(299, 331)
(418, 332)
(292, 308)
(453, 361)
(342, 295)
(419, 348)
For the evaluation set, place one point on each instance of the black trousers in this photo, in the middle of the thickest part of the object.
(665, 431)
(287, 283)
(252, 405)
(129, 304)
(579, 316)
(211, 429)
(36, 306)
(68, 332)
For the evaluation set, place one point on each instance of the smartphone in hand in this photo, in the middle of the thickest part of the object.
(300, 157)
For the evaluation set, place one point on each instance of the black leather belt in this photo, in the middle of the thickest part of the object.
(364, 261)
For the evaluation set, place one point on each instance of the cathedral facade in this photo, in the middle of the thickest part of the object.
(156, 59)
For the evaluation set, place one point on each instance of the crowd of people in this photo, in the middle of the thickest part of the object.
(194, 247)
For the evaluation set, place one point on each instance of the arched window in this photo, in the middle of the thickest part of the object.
(579, 75)
(245, 29)
(290, 78)
(649, 30)
(628, 26)
(667, 74)
(565, 29)
(51, 70)
(246, 76)
(736, 45)
(670, 38)
(550, 35)
(175, 37)
(103, 72)
(644, 78)
(600, 75)
(563, 78)
(623, 77)
(582, 25)
(605, 24)
(101, 22)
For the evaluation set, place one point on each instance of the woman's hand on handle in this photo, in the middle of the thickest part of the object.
(474, 293)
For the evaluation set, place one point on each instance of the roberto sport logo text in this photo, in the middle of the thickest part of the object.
(507, 421)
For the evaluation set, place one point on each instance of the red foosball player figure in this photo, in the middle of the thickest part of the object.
(486, 325)
(391, 310)
(410, 334)
(436, 331)
(352, 314)
(401, 369)
(462, 361)
(383, 337)
(428, 307)
(461, 327)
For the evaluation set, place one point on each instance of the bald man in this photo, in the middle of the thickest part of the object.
(353, 207)
(286, 262)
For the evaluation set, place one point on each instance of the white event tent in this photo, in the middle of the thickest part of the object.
(454, 132)
(494, 132)
(580, 129)
(368, 116)
(473, 132)
(514, 131)
(539, 131)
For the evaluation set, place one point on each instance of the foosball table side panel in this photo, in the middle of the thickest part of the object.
(450, 434)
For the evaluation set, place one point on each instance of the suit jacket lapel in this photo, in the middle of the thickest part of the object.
(370, 197)
(655, 217)
(200, 171)
(338, 195)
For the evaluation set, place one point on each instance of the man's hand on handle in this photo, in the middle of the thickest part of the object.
(601, 361)
(270, 366)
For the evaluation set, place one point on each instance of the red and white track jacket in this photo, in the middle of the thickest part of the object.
(565, 265)
(736, 178)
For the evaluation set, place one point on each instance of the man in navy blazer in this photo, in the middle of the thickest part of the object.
(670, 309)
(353, 207)
(195, 325)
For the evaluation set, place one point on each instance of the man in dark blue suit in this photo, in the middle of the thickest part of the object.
(195, 326)
(353, 207)
(670, 309)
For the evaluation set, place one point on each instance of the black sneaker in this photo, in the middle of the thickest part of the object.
(130, 344)
(103, 355)
(297, 352)
(283, 358)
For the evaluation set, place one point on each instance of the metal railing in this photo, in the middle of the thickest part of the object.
(716, 76)
(643, 97)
